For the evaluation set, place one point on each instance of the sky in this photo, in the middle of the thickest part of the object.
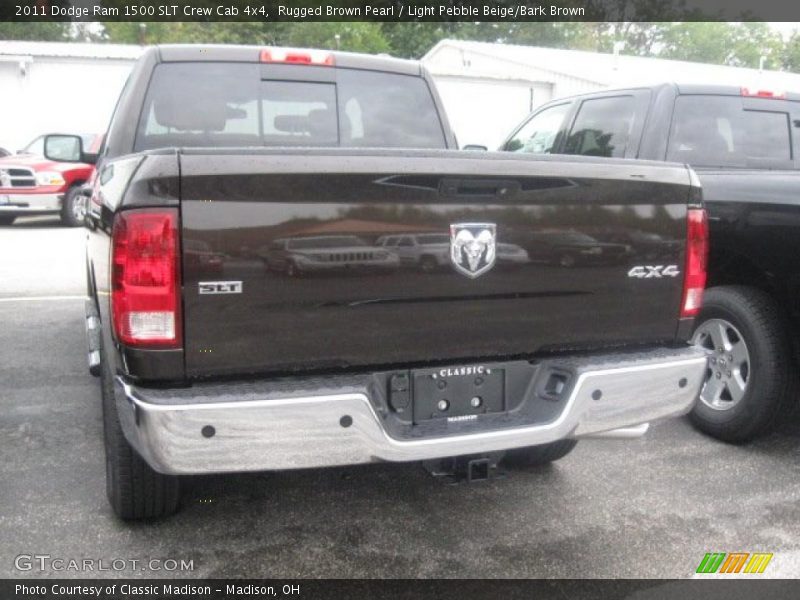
(786, 29)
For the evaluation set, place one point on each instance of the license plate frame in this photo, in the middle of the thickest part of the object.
(458, 386)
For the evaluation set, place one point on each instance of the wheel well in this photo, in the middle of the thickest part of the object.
(736, 269)
(71, 187)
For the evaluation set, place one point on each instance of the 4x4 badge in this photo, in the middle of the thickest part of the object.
(657, 272)
(473, 247)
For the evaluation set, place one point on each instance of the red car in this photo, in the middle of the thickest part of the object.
(33, 185)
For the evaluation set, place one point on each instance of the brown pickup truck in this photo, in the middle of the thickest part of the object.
(227, 366)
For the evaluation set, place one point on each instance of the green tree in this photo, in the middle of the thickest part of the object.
(698, 42)
(414, 39)
(41, 32)
(350, 35)
(191, 32)
(733, 44)
(753, 40)
(791, 54)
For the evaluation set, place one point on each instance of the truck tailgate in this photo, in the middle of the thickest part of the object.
(283, 270)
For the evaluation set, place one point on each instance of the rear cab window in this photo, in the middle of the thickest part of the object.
(541, 134)
(602, 127)
(230, 105)
(608, 125)
(731, 131)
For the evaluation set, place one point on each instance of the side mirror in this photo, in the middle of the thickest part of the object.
(66, 148)
(475, 148)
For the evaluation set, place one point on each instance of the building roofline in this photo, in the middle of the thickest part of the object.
(454, 44)
(476, 47)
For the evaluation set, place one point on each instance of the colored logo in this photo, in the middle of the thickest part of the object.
(734, 562)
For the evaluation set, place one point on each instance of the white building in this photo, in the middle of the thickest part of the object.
(489, 88)
(59, 87)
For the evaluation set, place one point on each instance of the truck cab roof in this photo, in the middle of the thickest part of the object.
(235, 53)
(689, 89)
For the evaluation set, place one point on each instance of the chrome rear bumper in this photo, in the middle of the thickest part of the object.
(254, 431)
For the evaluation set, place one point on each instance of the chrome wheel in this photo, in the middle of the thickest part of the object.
(728, 366)
(79, 207)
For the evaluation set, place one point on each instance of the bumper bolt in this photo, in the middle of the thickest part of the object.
(475, 402)
(443, 405)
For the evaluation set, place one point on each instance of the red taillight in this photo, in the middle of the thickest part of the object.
(146, 285)
(694, 281)
(297, 57)
(763, 94)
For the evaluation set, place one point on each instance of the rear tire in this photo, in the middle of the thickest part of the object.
(73, 209)
(534, 456)
(7, 220)
(752, 331)
(134, 489)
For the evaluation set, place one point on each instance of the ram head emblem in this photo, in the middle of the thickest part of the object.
(473, 247)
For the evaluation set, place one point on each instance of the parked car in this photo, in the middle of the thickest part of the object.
(4, 152)
(325, 254)
(201, 258)
(650, 245)
(743, 143)
(249, 374)
(431, 251)
(31, 184)
(569, 248)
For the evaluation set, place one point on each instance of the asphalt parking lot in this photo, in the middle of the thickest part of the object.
(650, 507)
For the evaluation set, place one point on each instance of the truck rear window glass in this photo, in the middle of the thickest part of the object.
(228, 105)
(716, 131)
(540, 134)
(602, 128)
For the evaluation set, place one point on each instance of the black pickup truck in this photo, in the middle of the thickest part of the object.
(212, 363)
(744, 146)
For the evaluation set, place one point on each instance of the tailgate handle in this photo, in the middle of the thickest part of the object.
(478, 187)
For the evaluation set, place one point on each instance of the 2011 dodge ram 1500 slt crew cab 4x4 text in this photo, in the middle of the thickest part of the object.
(225, 366)
(743, 143)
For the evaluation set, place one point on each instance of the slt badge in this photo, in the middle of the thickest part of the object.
(473, 247)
